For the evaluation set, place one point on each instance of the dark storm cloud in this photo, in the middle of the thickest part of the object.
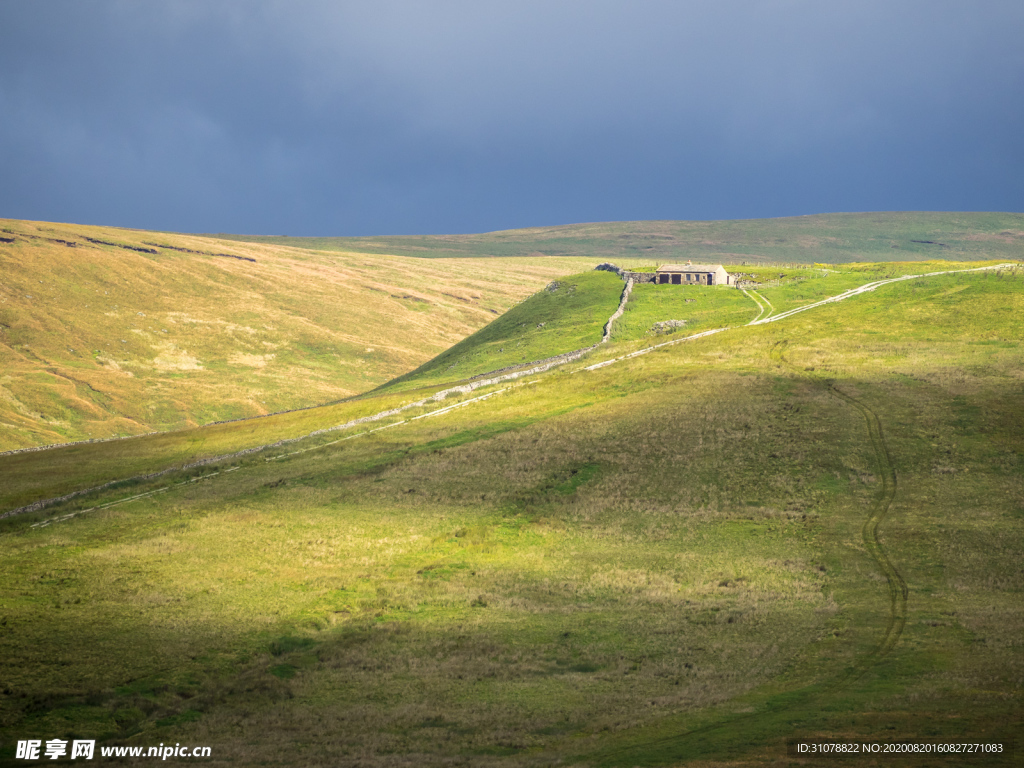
(413, 116)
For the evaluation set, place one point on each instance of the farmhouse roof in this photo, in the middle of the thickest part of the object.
(689, 267)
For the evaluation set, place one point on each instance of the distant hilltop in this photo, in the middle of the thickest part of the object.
(828, 238)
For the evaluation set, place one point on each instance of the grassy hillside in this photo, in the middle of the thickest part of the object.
(831, 237)
(700, 309)
(106, 331)
(568, 314)
(780, 288)
(689, 555)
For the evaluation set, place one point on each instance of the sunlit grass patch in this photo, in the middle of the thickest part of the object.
(699, 307)
(567, 315)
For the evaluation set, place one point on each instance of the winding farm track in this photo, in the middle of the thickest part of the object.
(898, 592)
(700, 738)
(757, 299)
(789, 313)
(762, 298)
(884, 496)
(870, 287)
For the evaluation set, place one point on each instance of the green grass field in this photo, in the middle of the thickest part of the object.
(688, 556)
(567, 315)
(701, 309)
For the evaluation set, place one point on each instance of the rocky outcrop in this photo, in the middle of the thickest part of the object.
(201, 253)
(121, 245)
(668, 326)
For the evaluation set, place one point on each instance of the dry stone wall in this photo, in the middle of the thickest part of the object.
(636, 277)
(618, 312)
(639, 277)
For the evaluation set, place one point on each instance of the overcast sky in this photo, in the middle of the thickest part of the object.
(434, 116)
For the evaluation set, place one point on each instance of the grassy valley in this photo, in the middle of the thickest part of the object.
(108, 332)
(687, 555)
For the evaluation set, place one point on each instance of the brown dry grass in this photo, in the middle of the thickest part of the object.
(99, 340)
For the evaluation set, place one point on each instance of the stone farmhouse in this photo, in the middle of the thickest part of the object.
(677, 274)
(693, 274)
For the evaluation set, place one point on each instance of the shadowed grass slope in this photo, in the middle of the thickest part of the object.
(29, 477)
(107, 331)
(655, 562)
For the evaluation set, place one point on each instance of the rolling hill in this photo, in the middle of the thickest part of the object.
(676, 550)
(832, 238)
(107, 332)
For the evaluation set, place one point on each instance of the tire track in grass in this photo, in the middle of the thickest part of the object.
(771, 309)
(699, 742)
(771, 318)
(867, 287)
(898, 591)
(753, 299)
(146, 495)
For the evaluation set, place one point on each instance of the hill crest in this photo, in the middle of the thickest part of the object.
(827, 237)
